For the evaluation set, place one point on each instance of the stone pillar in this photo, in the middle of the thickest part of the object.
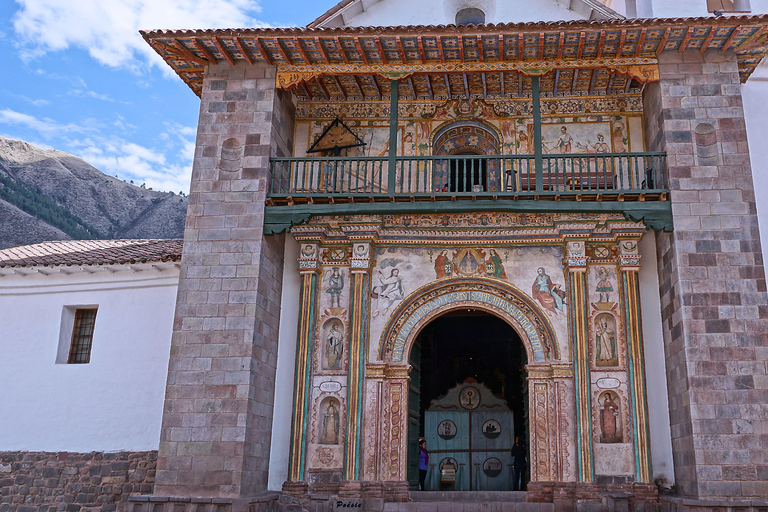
(359, 314)
(629, 290)
(714, 305)
(578, 311)
(217, 418)
(309, 267)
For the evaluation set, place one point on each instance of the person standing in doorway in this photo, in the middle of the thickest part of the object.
(423, 464)
(519, 465)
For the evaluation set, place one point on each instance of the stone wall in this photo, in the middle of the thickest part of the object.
(714, 305)
(73, 482)
(217, 420)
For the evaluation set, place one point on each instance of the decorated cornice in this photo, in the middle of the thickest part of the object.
(455, 109)
(492, 229)
(397, 52)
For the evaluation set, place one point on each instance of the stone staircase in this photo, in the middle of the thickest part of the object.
(458, 501)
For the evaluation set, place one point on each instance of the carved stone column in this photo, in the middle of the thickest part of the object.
(629, 289)
(359, 315)
(308, 268)
(579, 337)
(395, 430)
(543, 427)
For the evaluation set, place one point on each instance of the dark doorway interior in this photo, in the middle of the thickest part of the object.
(454, 347)
(465, 174)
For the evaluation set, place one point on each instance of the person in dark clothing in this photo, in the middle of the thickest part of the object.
(519, 465)
(423, 464)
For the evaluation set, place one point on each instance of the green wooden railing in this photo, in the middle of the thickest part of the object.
(472, 176)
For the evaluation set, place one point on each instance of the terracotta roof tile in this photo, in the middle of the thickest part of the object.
(91, 252)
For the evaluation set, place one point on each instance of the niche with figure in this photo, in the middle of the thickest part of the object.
(609, 414)
(606, 348)
(329, 421)
(333, 344)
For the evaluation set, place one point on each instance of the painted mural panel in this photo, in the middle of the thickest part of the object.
(536, 270)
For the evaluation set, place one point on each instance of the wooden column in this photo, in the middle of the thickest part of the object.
(359, 314)
(308, 268)
(629, 289)
(392, 164)
(538, 159)
(579, 335)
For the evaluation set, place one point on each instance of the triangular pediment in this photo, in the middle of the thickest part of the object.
(360, 13)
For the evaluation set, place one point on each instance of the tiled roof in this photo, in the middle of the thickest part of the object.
(91, 252)
(441, 49)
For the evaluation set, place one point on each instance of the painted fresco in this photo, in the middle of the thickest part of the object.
(612, 125)
(605, 327)
(399, 271)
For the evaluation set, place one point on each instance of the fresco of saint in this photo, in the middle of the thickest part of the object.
(551, 296)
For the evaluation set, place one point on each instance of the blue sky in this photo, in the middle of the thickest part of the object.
(78, 77)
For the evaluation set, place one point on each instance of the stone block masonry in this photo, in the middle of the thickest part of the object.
(713, 288)
(217, 418)
(74, 482)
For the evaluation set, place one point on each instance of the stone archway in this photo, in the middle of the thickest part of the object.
(550, 390)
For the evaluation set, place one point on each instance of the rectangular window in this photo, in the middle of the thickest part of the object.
(728, 5)
(82, 336)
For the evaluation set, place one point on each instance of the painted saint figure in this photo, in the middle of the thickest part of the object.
(493, 266)
(330, 433)
(389, 291)
(335, 286)
(564, 141)
(334, 347)
(443, 265)
(604, 286)
(605, 341)
(609, 421)
(550, 295)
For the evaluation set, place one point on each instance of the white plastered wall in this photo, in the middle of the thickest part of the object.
(115, 402)
(755, 97)
(687, 8)
(286, 368)
(655, 373)
(443, 12)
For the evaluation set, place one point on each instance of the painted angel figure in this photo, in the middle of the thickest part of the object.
(389, 291)
(604, 286)
(335, 286)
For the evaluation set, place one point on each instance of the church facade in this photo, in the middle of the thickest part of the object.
(397, 231)
(437, 176)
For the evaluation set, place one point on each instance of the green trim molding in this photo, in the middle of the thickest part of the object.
(654, 214)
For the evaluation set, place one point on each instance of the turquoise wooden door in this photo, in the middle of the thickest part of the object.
(447, 435)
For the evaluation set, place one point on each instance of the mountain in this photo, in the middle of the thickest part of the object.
(52, 195)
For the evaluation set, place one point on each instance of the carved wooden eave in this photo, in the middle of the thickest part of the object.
(470, 61)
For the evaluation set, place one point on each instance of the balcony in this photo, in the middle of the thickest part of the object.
(632, 183)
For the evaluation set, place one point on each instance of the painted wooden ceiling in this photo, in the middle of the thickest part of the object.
(449, 61)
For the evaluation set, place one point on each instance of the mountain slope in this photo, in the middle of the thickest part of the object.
(52, 195)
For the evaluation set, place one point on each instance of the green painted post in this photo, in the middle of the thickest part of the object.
(539, 161)
(392, 165)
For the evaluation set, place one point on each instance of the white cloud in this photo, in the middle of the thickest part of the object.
(108, 30)
(167, 167)
(90, 94)
(45, 126)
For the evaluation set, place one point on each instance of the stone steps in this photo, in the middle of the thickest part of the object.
(480, 501)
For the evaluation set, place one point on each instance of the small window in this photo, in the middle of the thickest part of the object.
(470, 15)
(82, 336)
(728, 6)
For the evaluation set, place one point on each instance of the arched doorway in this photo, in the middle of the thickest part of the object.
(467, 139)
(475, 347)
(550, 380)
